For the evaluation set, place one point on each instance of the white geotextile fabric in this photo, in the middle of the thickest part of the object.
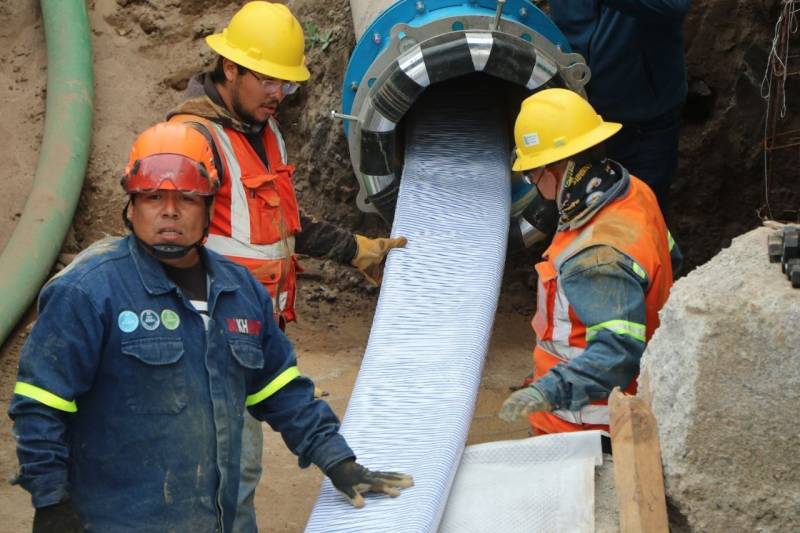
(536, 485)
(414, 398)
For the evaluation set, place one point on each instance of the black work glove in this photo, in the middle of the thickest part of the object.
(58, 518)
(352, 479)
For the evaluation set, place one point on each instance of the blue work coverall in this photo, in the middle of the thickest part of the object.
(634, 49)
(131, 406)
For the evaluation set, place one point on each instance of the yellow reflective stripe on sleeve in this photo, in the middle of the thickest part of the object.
(42, 396)
(670, 240)
(620, 327)
(639, 270)
(273, 386)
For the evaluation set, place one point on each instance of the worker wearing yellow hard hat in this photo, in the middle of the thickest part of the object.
(256, 220)
(554, 125)
(604, 277)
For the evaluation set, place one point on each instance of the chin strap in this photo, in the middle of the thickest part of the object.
(169, 251)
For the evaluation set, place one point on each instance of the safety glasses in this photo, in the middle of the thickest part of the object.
(272, 85)
(168, 172)
(530, 176)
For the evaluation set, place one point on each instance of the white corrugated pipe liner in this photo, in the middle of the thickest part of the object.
(414, 398)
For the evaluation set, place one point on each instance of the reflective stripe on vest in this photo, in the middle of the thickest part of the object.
(273, 386)
(45, 397)
(562, 351)
(279, 304)
(230, 247)
(273, 125)
(240, 213)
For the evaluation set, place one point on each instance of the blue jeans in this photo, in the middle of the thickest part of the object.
(250, 474)
(649, 150)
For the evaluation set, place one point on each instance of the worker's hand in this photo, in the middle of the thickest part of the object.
(371, 255)
(352, 480)
(524, 401)
(58, 518)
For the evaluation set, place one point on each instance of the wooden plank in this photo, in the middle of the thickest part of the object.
(638, 475)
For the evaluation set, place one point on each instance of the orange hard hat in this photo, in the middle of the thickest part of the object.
(171, 156)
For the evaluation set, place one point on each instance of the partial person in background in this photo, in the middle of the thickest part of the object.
(634, 49)
(256, 220)
(604, 277)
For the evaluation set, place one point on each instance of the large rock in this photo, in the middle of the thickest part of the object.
(722, 374)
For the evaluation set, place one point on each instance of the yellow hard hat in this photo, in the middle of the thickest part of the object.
(555, 124)
(266, 38)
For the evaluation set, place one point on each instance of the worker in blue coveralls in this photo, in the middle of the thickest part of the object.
(133, 382)
(634, 49)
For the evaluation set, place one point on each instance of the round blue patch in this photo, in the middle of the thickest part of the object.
(150, 319)
(127, 321)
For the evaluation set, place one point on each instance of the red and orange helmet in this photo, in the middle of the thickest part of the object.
(171, 156)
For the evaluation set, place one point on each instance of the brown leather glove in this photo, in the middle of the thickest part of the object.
(352, 479)
(371, 255)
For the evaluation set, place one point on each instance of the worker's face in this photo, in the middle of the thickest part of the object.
(548, 178)
(254, 97)
(169, 217)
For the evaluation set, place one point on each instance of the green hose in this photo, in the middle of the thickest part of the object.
(37, 239)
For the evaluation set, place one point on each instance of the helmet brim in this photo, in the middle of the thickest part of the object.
(575, 146)
(219, 44)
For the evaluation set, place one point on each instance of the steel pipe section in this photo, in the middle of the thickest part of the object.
(411, 45)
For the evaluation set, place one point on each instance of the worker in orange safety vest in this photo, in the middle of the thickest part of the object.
(604, 277)
(256, 219)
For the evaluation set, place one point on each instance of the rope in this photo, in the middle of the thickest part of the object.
(777, 66)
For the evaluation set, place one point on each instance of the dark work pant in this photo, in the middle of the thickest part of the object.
(649, 150)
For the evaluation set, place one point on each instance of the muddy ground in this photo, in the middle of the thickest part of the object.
(144, 53)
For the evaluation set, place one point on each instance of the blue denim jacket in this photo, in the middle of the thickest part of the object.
(601, 285)
(129, 406)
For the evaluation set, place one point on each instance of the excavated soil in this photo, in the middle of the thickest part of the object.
(146, 50)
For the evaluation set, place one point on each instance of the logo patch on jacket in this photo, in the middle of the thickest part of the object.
(244, 325)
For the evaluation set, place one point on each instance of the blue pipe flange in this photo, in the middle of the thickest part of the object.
(437, 45)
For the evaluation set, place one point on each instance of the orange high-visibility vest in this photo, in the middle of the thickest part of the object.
(255, 214)
(633, 225)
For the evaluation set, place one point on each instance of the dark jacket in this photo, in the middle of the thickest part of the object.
(634, 49)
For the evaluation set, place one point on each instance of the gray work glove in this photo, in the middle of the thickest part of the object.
(524, 401)
(352, 479)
